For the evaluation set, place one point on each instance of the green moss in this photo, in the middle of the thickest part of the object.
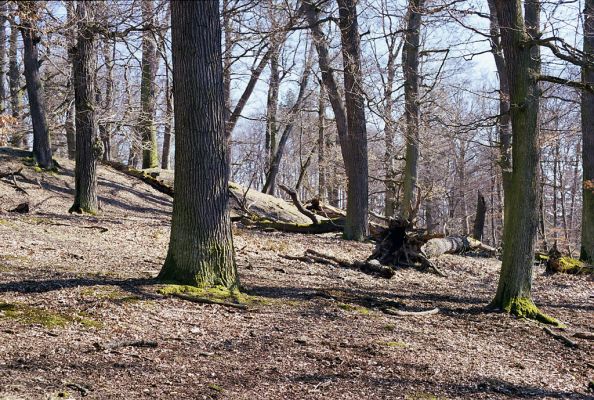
(397, 344)
(525, 308)
(108, 293)
(218, 293)
(350, 307)
(389, 327)
(29, 315)
(215, 387)
(570, 265)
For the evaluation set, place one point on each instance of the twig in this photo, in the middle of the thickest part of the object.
(124, 343)
(400, 313)
(568, 342)
(204, 300)
(584, 335)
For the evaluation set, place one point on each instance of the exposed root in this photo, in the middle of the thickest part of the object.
(401, 313)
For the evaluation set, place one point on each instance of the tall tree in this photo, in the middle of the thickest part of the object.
(3, 14)
(148, 88)
(88, 145)
(357, 223)
(70, 123)
(410, 66)
(42, 150)
(201, 245)
(587, 247)
(522, 69)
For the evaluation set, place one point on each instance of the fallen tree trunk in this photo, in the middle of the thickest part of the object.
(326, 226)
(453, 245)
(293, 194)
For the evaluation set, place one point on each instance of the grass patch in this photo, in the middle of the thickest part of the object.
(389, 327)
(30, 315)
(421, 396)
(106, 293)
(358, 309)
(215, 387)
(397, 344)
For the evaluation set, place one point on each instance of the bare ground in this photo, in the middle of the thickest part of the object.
(313, 332)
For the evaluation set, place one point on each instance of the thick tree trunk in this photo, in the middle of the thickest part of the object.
(410, 66)
(148, 88)
(522, 67)
(201, 246)
(167, 133)
(105, 127)
(357, 222)
(88, 144)
(14, 83)
(41, 139)
(479, 219)
(587, 239)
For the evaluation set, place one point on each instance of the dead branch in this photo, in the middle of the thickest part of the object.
(293, 194)
(584, 335)
(401, 313)
(125, 343)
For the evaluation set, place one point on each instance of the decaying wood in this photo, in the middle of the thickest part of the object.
(566, 341)
(584, 335)
(371, 267)
(325, 226)
(401, 313)
(12, 176)
(124, 343)
(205, 300)
(150, 179)
(453, 245)
(293, 194)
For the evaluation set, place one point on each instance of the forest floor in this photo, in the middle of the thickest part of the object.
(71, 286)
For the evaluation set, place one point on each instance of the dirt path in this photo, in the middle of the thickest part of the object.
(312, 332)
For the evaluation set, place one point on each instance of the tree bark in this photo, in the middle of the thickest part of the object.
(522, 68)
(41, 139)
(322, 157)
(88, 145)
(587, 237)
(357, 223)
(391, 196)
(410, 66)
(271, 109)
(201, 246)
(148, 88)
(479, 219)
(70, 123)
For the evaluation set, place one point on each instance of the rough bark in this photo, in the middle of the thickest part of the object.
(322, 158)
(356, 164)
(410, 66)
(479, 218)
(148, 88)
(522, 67)
(391, 196)
(41, 139)
(167, 133)
(88, 144)
(105, 125)
(271, 109)
(201, 246)
(587, 237)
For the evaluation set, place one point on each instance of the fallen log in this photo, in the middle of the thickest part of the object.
(124, 343)
(293, 194)
(453, 245)
(326, 226)
(372, 267)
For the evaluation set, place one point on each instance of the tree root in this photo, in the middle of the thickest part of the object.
(524, 308)
(205, 300)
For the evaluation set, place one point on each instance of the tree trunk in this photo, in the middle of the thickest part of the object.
(168, 126)
(14, 83)
(69, 123)
(410, 66)
(88, 144)
(41, 140)
(479, 219)
(106, 125)
(3, 13)
(201, 246)
(587, 239)
(356, 164)
(522, 67)
(504, 122)
(271, 109)
(148, 88)
(322, 156)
